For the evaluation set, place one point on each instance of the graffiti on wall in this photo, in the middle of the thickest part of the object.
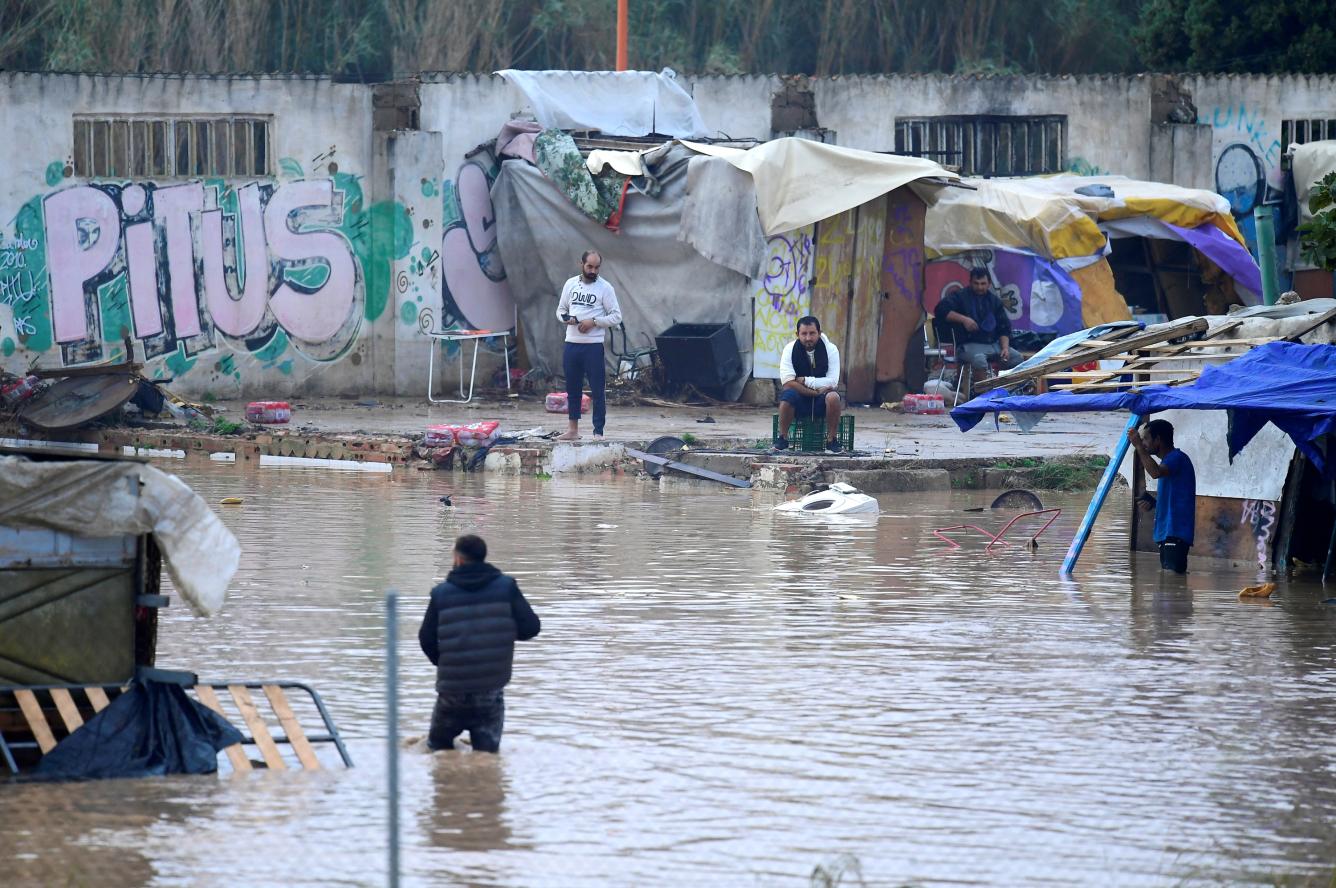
(475, 293)
(1247, 161)
(782, 295)
(1259, 516)
(1036, 294)
(271, 269)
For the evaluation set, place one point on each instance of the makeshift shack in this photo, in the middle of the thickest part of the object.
(1069, 252)
(716, 234)
(1252, 397)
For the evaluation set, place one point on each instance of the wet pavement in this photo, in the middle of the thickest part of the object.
(725, 696)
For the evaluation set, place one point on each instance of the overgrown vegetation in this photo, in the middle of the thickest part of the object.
(1318, 236)
(378, 39)
(1067, 473)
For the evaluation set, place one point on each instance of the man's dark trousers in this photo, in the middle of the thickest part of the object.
(482, 714)
(581, 361)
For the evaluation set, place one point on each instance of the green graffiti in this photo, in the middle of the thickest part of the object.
(226, 365)
(113, 300)
(272, 350)
(286, 367)
(55, 171)
(289, 167)
(32, 314)
(178, 363)
(311, 277)
(7, 346)
(408, 313)
(379, 235)
(428, 187)
(450, 214)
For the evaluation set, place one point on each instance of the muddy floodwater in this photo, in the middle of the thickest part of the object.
(724, 696)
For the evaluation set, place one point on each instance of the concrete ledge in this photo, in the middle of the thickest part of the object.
(893, 480)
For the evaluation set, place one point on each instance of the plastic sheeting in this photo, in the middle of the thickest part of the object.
(1289, 385)
(97, 498)
(800, 182)
(659, 279)
(1312, 161)
(719, 216)
(619, 103)
(151, 730)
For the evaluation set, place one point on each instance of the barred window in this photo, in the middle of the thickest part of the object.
(1302, 132)
(987, 145)
(118, 146)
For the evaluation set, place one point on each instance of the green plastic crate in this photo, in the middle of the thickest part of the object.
(809, 435)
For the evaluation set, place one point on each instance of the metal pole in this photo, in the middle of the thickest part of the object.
(1097, 501)
(1266, 252)
(392, 726)
(622, 28)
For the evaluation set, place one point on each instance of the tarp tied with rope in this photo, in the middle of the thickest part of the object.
(1290, 385)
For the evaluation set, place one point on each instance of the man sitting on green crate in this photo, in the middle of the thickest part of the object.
(809, 371)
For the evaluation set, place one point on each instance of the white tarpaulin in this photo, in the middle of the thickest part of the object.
(619, 103)
(799, 182)
(96, 498)
(1312, 161)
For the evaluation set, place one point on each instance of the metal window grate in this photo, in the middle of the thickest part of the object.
(121, 146)
(1301, 132)
(987, 145)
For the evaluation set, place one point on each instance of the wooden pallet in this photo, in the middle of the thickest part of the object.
(49, 714)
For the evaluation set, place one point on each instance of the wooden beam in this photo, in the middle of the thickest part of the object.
(32, 711)
(69, 713)
(264, 741)
(235, 754)
(296, 736)
(1064, 361)
(1106, 386)
(97, 697)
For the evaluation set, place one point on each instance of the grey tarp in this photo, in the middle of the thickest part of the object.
(659, 279)
(719, 216)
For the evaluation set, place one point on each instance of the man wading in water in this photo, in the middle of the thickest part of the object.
(1175, 500)
(469, 634)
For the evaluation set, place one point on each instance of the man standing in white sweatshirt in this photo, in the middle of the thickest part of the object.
(588, 307)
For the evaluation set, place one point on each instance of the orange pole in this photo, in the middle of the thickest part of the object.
(621, 34)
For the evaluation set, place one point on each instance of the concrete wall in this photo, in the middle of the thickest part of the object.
(366, 237)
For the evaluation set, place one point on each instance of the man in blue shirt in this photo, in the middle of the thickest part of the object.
(1175, 502)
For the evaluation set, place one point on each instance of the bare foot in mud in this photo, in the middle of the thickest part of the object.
(569, 436)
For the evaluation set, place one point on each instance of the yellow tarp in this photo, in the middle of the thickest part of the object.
(799, 182)
(1046, 216)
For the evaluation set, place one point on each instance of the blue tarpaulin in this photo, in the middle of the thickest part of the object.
(1290, 385)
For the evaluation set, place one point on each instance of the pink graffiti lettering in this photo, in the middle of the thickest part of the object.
(73, 262)
(474, 277)
(318, 314)
(236, 316)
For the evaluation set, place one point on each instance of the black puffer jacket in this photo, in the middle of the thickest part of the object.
(470, 628)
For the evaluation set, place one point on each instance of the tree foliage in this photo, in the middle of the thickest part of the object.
(376, 39)
(1318, 236)
(1228, 36)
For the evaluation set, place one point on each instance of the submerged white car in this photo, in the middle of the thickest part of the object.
(837, 499)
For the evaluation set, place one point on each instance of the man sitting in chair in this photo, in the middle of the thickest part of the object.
(809, 371)
(980, 323)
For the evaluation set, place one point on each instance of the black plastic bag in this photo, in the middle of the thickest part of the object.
(151, 730)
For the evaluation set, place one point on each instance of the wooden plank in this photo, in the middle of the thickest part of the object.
(657, 460)
(1063, 362)
(97, 697)
(264, 741)
(901, 283)
(235, 754)
(96, 370)
(69, 713)
(296, 736)
(1324, 318)
(32, 710)
(1105, 374)
(860, 357)
(1109, 386)
(833, 274)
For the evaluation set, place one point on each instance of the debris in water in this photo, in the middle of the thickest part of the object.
(230, 501)
(1262, 590)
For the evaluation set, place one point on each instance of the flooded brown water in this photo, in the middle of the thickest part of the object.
(723, 696)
